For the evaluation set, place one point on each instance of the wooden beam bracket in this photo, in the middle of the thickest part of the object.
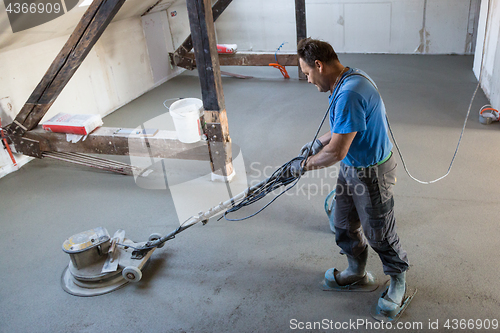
(27, 146)
(15, 129)
(182, 61)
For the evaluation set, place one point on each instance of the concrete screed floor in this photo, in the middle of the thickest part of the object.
(261, 274)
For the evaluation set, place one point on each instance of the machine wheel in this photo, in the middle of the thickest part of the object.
(132, 274)
(156, 236)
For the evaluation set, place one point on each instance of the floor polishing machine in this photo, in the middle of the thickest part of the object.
(100, 264)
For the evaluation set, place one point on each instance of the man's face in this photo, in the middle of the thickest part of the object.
(314, 75)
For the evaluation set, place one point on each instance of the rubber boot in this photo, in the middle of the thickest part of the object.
(393, 300)
(355, 271)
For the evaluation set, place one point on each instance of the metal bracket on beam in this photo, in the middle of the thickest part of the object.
(214, 132)
(220, 148)
(182, 61)
(26, 146)
(15, 129)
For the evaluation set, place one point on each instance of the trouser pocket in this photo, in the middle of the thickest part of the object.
(380, 193)
(387, 181)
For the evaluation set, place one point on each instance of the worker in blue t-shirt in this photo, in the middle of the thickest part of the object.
(364, 199)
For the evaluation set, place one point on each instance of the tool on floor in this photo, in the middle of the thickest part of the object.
(276, 64)
(282, 70)
(100, 264)
(487, 115)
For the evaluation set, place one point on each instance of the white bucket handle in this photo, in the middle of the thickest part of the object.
(171, 99)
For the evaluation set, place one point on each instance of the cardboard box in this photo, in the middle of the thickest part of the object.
(81, 124)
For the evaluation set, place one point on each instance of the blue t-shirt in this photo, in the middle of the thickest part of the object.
(359, 108)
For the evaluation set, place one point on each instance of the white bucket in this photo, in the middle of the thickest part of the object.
(186, 115)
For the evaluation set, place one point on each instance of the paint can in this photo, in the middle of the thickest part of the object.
(186, 114)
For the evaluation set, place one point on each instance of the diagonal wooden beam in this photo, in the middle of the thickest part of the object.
(87, 32)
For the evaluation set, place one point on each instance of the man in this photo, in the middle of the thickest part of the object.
(364, 200)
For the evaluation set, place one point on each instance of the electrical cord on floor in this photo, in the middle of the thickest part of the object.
(466, 117)
(454, 155)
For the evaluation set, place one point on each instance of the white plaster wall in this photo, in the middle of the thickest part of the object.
(117, 70)
(366, 26)
(370, 27)
(490, 44)
(255, 25)
(6, 164)
(179, 22)
(159, 43)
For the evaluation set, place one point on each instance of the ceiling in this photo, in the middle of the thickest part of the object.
(64, 24)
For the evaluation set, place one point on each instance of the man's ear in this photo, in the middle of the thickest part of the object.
(319, 65)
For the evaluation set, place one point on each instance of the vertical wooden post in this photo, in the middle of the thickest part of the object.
(207, 61)
(300, 21)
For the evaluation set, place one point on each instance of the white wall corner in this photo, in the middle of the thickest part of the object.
(487, 53)
(478, 53)
(7, 111)
(159, 43)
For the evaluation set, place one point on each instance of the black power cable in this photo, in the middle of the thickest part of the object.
(281, 177)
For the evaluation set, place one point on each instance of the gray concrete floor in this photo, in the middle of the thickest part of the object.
(259, 274)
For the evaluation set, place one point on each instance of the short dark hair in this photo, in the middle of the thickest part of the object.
(311, 50)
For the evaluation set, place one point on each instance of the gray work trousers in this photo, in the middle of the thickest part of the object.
(364, 211)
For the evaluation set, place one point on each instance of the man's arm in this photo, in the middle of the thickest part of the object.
(333, 152)
(325, 138)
